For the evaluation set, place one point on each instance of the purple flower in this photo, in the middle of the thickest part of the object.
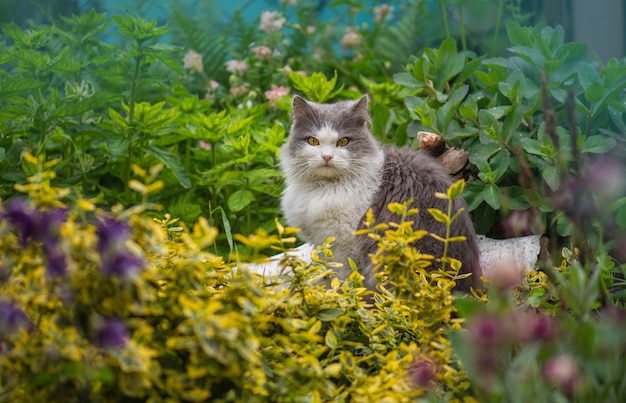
(423, 371)
(56, 264)
(111, 234)
(12, 319)
(519, 223)
(116, 258)
(487, 330)
(39, 226)
(49, 223)
(22, 217)
(534, 327)
(111, 332)
(121, 264)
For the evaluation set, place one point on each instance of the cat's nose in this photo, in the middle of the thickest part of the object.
(327, 157)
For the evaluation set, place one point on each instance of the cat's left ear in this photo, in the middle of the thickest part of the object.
(360, 111)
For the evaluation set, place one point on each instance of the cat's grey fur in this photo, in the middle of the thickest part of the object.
(331, 186)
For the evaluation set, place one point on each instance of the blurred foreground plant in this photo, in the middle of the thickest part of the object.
(113, 305)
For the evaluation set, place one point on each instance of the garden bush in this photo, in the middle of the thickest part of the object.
(139, 179)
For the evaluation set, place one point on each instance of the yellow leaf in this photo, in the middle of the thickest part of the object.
(333, 370)
(439, 215)
(154, 187)
(137, 186)
(396, 208)
(30, 159)
(456, 189)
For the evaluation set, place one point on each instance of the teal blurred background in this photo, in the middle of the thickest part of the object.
(599, 23)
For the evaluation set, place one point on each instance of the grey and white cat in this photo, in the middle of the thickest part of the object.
(335, 171)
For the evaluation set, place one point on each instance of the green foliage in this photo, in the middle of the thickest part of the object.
(501, 110)
(102, 302)
(103, 108)
(317, 88)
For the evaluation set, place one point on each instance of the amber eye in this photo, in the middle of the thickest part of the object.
(313, 141)
(343, 142)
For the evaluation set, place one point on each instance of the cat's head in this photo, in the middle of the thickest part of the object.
(329, 141)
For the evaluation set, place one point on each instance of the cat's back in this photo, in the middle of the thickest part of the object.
(415, 175)
(409, 173)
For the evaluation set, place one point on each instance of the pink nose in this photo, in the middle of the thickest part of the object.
(327, 158)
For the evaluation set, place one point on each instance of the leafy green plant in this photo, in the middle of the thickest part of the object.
(516, 146)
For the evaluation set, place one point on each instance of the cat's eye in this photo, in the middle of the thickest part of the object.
(343, 142)
(313, 141)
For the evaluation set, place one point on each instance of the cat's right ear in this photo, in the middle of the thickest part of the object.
(301, 109)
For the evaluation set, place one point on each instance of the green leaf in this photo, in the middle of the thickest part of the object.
(594, 93)
(117, 146)
(492, 196)
(381, 120)
(316, 87)
(240, 200)
(551, 175)
(587, 75)
(469, 108)
(171, 161)
(511, 123)
(517, 34)
(598, 144)
(500, 164)
(406, 80)
(481, 153)
(227, 229)
(16, 85)
(447, 111)
(450, 68)
(531, 146)
(77, 108)
(469, 69)
(182, 206)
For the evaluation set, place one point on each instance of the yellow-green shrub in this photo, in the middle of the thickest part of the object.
(115, 305)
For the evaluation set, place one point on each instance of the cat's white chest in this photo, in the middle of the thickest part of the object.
(333, 210)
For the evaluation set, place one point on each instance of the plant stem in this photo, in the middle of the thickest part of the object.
(462, 25)
(444, 15)
(497, 29)
(445, 244)
(131, 112)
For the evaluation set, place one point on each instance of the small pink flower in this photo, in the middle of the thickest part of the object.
(262, 52)
(562, 370)
(204, 145)
(275, 93)
(236, 66)
(384, 12)
(193, 61)
(351, 39)
(240, 89)
(271, 21)
(213, 85)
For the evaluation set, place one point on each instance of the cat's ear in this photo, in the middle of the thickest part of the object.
(360, 112)
(301, 109)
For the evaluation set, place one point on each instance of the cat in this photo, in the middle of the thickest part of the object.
(335, 171)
